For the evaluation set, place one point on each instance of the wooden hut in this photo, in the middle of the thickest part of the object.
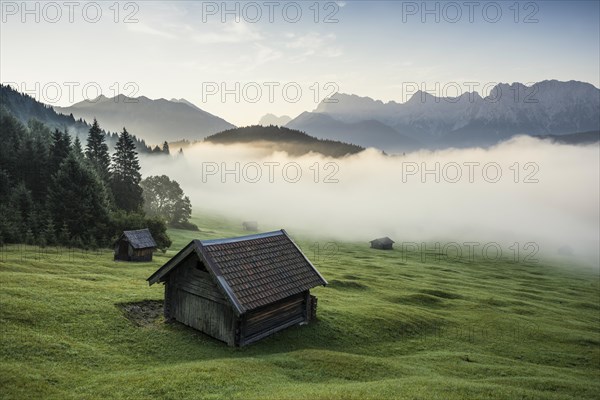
(135, 246)
(250, 226)
(240, 290)
(384, 243)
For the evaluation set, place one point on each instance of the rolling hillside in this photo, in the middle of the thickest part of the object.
(390, 326)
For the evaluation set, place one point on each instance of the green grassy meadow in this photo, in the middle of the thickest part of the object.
(391, 326)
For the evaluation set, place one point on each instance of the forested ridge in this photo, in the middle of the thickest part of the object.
(56, 191)
(24, 108)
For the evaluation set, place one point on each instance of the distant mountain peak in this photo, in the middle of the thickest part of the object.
(186, 102)
(24, 107)
(272, 119)
(549, 107)
(153, 120)
(100, 98)
(421, 96)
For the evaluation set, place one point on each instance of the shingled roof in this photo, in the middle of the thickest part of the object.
(253, 270)
(139, 239)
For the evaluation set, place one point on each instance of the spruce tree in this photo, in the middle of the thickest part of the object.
(22, 200)
(64, 236)
(77, 200)
(96, 151)
(50, 232)
(126, 177)
(165, 148)
(29, 238)
(77, 149)
(59, 149)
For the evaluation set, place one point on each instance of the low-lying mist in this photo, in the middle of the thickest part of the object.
(527, 194)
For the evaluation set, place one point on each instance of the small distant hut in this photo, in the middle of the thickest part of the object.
(135, 246)
(250, 226)
(240, 290)
(384, 243)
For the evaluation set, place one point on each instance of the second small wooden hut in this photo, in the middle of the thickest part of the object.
(384, 243)
(135, 245)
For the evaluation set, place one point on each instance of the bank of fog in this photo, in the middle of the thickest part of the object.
(540, 197)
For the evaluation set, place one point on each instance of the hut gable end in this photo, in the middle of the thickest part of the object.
(193, 277)
(242, 289)
(135, 245)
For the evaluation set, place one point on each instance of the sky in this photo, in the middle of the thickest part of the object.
(241, 60)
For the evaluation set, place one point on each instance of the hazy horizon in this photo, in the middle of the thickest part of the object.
(267, 112)
(369, 49)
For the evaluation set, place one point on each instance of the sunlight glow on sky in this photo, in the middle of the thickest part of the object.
(243, 70)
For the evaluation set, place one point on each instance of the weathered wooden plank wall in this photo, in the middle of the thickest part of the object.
(210, 317)
(274, 317)
(195, 300)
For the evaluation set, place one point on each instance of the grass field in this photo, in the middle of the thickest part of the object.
(390, 326)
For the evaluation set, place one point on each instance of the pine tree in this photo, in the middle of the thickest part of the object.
(165, 148)
(59, 149)
(50, 232)
(77, 198)
(29, 238)
(4, 186)
(91, 243)
(77, 242)
(126, 177)
(96, 151)
(64, 237)
(77, 149)
(41, 240)
(21, 200)
(32, 162)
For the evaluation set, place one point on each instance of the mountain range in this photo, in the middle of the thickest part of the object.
(544, 108)
(25, 108)
(155, 120)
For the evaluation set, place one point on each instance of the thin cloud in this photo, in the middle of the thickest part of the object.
(261, 55)
(145, 29)
(313, 44)
(231, 33)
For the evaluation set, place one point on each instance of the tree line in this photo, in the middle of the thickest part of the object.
(55, 191)
(24, 107)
